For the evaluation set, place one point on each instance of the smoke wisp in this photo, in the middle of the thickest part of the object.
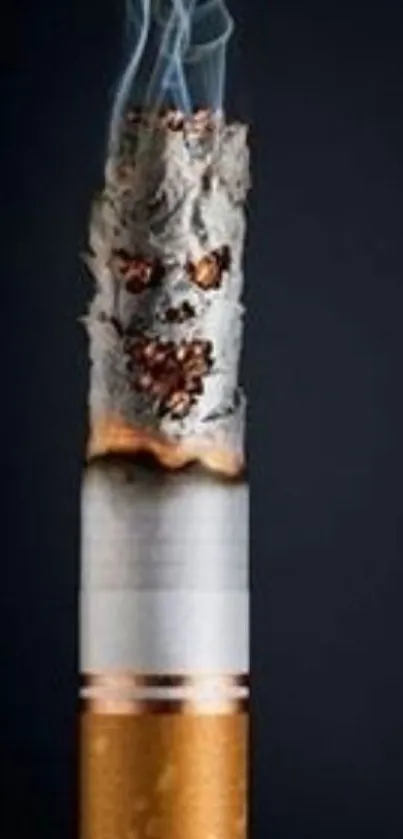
(177, 57)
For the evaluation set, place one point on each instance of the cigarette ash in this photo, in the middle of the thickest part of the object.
(166, 242)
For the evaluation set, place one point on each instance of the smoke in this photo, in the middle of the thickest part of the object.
(177, 56)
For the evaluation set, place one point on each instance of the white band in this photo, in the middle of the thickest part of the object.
(165, 631)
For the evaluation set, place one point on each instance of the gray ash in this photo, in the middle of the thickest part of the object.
(167, 240)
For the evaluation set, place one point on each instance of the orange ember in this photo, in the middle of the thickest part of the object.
(114, 436)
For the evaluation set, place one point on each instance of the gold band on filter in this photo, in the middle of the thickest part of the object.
(163, 776)
(125, 692)
(128, 678)
(139, 707)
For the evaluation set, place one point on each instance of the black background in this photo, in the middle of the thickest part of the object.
(322, 85)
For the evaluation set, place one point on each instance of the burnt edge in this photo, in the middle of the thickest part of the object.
(147, 461)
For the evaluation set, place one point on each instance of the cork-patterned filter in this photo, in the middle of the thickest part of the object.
(164, 776)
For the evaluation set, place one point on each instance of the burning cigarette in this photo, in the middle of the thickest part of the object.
(164, 596)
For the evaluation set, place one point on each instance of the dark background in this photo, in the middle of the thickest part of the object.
(322, 85)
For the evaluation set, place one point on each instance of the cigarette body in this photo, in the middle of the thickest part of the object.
(164, 594)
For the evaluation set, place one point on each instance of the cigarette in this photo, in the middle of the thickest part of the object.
(164, 643)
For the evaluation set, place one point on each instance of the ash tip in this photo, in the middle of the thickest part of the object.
(201, 120)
